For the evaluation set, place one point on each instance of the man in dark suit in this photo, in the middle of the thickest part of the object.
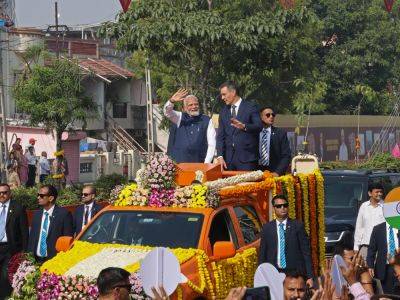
(238, 131)
(48, 224)
(274, 150)
(284, 242)
(13, 235)
(382, 246)
(85, 212)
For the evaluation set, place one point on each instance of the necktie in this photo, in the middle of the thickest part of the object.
(265, 145)
(3, 222)
(392, 244)
(233, 111)
(86, 216)
(282, 261)
(43, 237)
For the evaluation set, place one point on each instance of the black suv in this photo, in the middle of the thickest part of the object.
(345, 191)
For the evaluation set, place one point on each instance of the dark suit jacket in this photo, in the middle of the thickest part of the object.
(60, 225)
(279, 154)
(297, 247)
(378, 248)
(244, 143)
(77, 217)
(17, 229)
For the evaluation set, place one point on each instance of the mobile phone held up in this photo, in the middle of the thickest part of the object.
(258, 293)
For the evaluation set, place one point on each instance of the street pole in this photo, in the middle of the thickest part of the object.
(4, 156)
(56, 20)
(149, 101)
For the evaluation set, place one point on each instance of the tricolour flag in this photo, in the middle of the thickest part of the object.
(391, 211)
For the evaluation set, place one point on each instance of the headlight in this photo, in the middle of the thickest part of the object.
(333, 236)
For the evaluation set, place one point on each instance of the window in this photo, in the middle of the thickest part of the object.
(86, 167)
(149, 228)
(120, 110)
(222, 230)
(250, 224)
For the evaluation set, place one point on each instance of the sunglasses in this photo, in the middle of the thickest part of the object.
(281, 205)
(270, 114)
(4, 193)
(85, 194)
(42, 195)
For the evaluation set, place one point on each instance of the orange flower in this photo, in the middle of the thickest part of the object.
(241, 190)
(313, 222)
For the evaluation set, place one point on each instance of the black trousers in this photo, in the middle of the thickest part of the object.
(31, 175)
(5, 286)
(388, 283)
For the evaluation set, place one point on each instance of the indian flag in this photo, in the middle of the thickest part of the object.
(391, 211)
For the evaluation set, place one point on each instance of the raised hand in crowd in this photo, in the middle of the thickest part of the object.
(350, 274)
(179, 95)
(159, 294)
(328, 290)
(236, 293)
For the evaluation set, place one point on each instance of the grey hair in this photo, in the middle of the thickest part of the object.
(190, 96)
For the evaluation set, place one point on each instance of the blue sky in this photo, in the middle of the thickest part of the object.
(40, 13)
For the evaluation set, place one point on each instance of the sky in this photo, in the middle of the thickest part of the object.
(40, 13)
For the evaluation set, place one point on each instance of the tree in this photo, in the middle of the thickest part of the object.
(199, 44)
(53, 96)
(365, 54)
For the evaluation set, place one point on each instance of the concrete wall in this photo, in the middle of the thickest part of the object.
(12, 65)
(95, 88)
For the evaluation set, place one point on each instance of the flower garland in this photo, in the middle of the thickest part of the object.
(233, 272)
(299, 211)
(313, 222)
(242, 190)
(321, 218)
(288, 182)
(223, 182)
(306, 209)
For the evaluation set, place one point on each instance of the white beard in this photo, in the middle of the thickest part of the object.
(194, 113)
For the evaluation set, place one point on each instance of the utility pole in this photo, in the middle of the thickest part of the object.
(149, 101)
(4, 156)
(57, 35)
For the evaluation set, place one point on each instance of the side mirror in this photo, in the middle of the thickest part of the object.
(63, 243)
(223, 250)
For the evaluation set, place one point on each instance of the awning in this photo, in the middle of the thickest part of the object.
(104, 69)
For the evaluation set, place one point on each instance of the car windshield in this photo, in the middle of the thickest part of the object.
(342, 195)
(165, 229)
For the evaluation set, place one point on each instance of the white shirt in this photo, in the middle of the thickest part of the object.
(44, 166)
(396, 240)
(277, 234)
(50, 212)
(7, 204)
(176, 116)
(368, 217)
(31, 158)
(85, 207)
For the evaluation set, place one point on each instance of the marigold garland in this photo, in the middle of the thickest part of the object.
(241, 190)
(299, 211)
(321, 218)
(306, 208)
(313, 222)
(290, 193)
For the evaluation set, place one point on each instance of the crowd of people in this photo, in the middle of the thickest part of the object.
(48, 224)
(25, 168)
(285, 245)
(247, 138)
